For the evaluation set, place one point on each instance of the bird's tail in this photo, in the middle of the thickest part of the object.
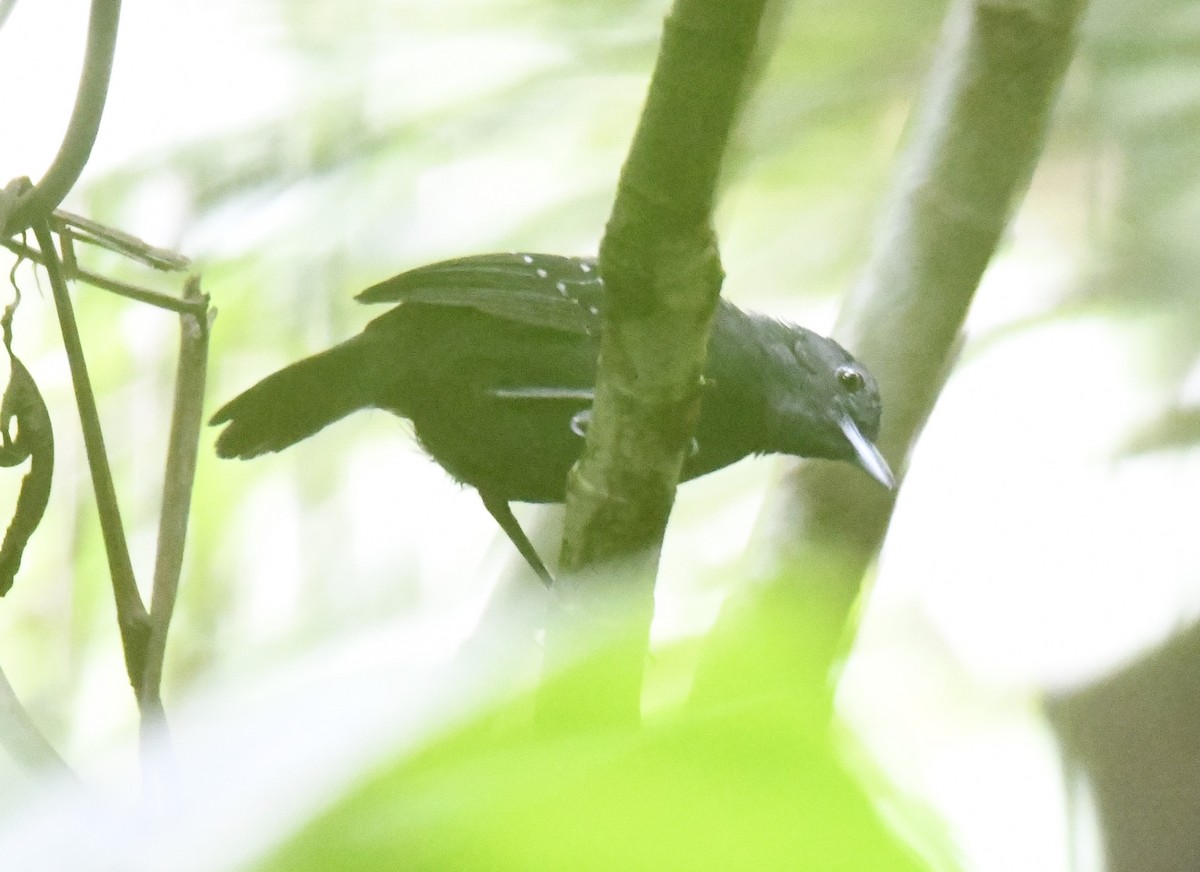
(294, 403)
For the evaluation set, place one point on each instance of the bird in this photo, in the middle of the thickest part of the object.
(493, 358)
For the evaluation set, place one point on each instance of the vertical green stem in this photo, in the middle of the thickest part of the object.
(180, 475)
(132, 618)
(662, 276)
(177, 491)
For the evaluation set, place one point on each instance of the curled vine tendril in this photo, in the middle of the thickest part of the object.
(34, 439)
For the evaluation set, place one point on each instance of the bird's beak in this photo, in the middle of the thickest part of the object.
(866, 454)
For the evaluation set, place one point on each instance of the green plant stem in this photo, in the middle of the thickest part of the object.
(977, 135)
(132, 618)
(180, 475)
(662, 278)
(121, 289)
(36, 204)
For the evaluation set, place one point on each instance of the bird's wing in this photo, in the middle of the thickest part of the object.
(541, 290)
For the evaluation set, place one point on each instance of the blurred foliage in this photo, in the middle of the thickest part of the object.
(716, 790)
(749, 776)
(1143, 109)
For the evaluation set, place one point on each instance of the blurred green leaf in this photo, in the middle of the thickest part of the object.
(730, 785)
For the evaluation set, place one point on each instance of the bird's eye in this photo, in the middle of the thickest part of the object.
(850, 378)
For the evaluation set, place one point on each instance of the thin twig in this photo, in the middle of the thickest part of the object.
(132, 617)
(92, 232)
(182, 450)
(122, 289)
(36, 204)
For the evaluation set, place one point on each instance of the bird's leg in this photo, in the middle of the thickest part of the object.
(499, 509)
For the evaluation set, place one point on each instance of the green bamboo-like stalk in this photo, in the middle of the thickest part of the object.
(977, 135)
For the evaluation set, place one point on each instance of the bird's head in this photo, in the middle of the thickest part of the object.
(822, 402)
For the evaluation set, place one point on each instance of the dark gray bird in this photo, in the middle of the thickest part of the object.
(493, 359)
